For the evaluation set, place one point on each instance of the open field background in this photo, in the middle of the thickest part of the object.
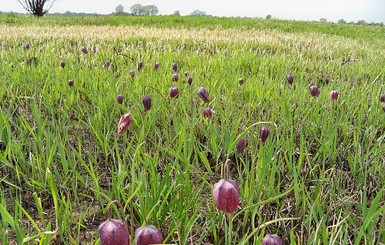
(318, 179)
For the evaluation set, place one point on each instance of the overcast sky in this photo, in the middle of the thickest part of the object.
(332, 10)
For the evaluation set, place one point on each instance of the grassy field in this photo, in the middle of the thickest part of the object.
(318, 179)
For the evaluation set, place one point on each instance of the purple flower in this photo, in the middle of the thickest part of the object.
(124, 122)
(226, 195)
(174, 92)
(204, 94)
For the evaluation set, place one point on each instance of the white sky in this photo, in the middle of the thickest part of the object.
(332, 10)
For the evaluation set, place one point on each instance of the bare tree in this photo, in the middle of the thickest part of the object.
(37, 7)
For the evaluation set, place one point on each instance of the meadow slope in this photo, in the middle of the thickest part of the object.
(318, 179)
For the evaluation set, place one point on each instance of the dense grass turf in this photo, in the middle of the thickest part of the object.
(318, 179)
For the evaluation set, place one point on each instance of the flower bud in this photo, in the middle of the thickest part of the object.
(290, 79)
(189, 80)
(174, 92)
(175, 77)
(62, 64)
(112, 232)
(148, 235)
(146, 100)
(140, 65)
(186, 73)
(264, 133)
(241, 81)
(226, 195)
(107, 64)
(382, 97)
(84, 50)
(314, 91)
(241, 145)
(204, 94)
(120, 98)
(271, 240)
(71, 83)
(156, 66)
(27, 45)
(334, 95)
(174, 66)
(383, 107)
(132, 73)
(207, 112)
(124, 122)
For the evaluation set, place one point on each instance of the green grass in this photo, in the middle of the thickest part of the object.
(318, 179)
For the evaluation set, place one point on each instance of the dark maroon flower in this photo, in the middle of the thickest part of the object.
(71, 82)
(226, 195)
(174, 92)
(156, 66)
(124, 122)
(27, 45)
(132, 73)
(241, 145)
(112, 232)
(290, 79)
(190, 80)
(140, 65)
(62, 64)
(148, 235)
(107, 64)
(241, 81)
(120, 98)
(174, 66)
(314, 91)
(146, 100)
(207, 112)
(204, 94)
(264, 133)
(175, 77)
(84, 50)
(271, 240)
(334, 95)
(382, 97)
